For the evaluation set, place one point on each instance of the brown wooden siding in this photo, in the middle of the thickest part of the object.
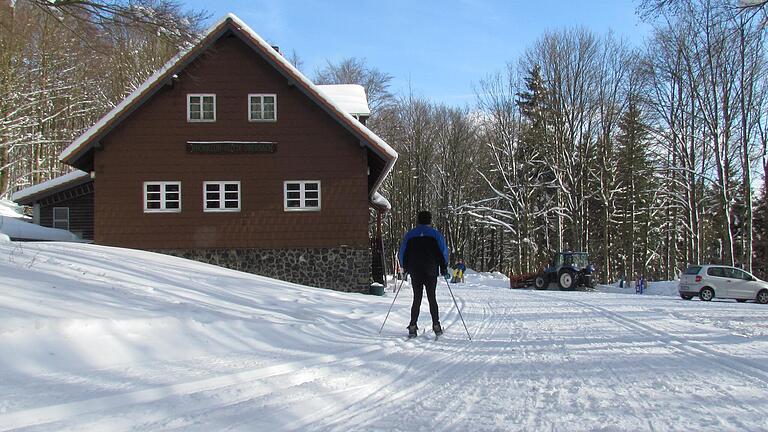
(151, 146)
(79, 200)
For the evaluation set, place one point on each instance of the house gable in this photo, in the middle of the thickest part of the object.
(153, 145)
(80, 152)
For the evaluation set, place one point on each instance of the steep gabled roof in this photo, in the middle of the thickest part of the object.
(80, 153)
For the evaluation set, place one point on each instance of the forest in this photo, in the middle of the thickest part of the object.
(648, 157)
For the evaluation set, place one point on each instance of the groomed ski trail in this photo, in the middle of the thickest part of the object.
(261, 354)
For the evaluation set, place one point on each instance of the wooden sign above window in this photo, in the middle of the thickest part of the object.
(231, 147)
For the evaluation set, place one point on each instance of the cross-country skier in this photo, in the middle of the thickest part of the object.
(422, 253)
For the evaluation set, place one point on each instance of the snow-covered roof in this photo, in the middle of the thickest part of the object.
(350, 97)
(82, 144)
(19, 229)
(72, 178)
(379, 201)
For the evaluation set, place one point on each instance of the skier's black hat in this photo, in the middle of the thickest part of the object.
(424, 218)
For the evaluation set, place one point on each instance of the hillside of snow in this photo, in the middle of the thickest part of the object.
(108, 339)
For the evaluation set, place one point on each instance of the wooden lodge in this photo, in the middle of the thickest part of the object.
(230, 155)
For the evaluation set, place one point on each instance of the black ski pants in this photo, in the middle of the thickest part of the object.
(419, 283)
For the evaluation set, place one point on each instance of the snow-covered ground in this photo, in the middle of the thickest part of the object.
(105, 339)
(663, 288)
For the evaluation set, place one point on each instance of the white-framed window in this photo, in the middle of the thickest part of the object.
(262, 107)
(201, 107)
(302, 195)
(221, 196)
(61, 218)
(162, 197)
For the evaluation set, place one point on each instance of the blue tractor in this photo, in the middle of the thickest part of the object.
(569, 270)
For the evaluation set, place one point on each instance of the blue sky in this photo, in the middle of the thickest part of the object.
(438, 49)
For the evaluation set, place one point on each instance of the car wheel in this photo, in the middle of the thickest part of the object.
(741, 300)
(706, 294)
(540, 283)
(686, 297)
(566, 281)
(762, 297)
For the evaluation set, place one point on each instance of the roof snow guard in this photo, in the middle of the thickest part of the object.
(80, 153)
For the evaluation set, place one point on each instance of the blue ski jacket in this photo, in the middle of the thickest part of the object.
(423, 251)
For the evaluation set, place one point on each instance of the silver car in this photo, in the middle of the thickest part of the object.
(710, 281)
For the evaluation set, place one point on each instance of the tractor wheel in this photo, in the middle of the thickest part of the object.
(567, 281)
(540, 282)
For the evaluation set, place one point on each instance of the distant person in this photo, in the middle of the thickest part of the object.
(640, 288)
(458, 271)
(422, 253)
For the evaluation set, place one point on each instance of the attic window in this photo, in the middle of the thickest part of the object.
(201, 107)
(262, 107)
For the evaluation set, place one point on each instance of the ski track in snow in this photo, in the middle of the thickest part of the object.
(183, 346)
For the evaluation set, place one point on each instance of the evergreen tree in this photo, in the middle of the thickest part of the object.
(536, 112)
(635, 181)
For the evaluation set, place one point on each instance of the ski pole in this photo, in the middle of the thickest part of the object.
(457, 308)
(390, 306)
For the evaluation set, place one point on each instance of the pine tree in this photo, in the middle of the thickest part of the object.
(534, 105)
(635, 181)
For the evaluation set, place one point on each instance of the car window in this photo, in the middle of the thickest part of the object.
(740, 274)
(693, 270)
(730, 273)
(716, 271)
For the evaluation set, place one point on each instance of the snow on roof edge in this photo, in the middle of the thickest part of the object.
(47, 185)
(385, 148)
(88, 134)
(379, 200)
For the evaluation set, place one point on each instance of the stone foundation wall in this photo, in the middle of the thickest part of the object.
(340, 269)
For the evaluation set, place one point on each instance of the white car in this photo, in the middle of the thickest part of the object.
(710, 281)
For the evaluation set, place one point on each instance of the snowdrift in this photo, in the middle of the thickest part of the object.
(14, 225)
(75, 305)
(659, 288)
